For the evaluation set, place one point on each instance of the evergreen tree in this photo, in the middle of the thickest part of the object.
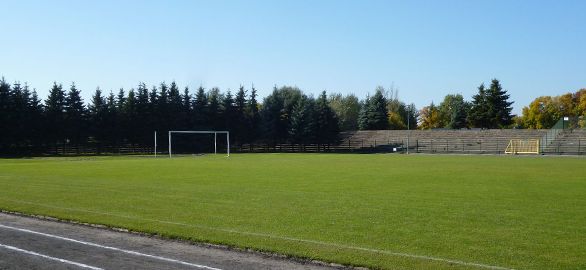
(373, 115)
(130, 117)
(186, 109)
(228, 111)
(276, 112)
(253, 116)
(4, 112)
(241, 123)
(143, 120)
(326, 122)
(214, 113)
(499, 113)
(97, 116)
(75, 113)
(200, 112)
(479, 112)
(303, 121)
(163, 124)
(55, 114)
(36, 120)
(112, 121)
(175, 107)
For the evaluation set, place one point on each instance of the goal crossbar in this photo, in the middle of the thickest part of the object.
(215, 132)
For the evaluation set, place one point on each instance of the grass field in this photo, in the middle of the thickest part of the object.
(379, 211)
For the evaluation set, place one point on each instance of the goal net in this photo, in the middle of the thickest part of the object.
(214, 132)
(516, 146)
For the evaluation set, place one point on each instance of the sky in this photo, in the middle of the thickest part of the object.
(423, 49)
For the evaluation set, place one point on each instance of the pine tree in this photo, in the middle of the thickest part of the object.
(186, 109)
(228, 111)
(130, 116)
(303, 121)
(499, 113)
(55, 114)
(18, 110)
(112, 121)
(373, 115)
(143, 115)
(5, 113)
(326, 122)
(200, 112)
(253, 116)
(97, 117)
(214, 113)
(37, 122)
(479, 112)
(75, 113)
(241, 123)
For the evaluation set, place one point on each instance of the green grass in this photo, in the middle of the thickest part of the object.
(512, 212)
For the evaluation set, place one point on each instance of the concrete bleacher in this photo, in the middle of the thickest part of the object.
(568, 142)
(438, 141)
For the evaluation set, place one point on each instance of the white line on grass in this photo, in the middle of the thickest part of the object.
(49, 257)
(392, 253)
(110, 248)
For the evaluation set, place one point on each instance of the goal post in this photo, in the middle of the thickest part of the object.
(519, 146)
(215, 132)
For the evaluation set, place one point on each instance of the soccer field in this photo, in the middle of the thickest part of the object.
(379, 211)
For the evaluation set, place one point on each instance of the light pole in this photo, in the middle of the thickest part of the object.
(408, 126)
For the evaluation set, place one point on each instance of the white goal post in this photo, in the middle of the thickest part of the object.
(215, 132)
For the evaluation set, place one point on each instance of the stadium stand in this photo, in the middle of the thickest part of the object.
(491, 141)
(568, 142)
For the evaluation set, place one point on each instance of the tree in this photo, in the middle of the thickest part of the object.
(429, 117)
(175, 106)
(97, 116)
(55, 113)
(453, 112)
(253, 116)
(479, 112)
(186, 109)
(303, 123)
(200, 112)
(242, 122)
(75, 115)
(276, 112)
(374, 113)
(4, 112)
(214, 116)
(326, 122)
(499, 106)
(347, 109)
(228, 111)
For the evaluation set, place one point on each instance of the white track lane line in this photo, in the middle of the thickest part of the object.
(135, 253)
(49, 257)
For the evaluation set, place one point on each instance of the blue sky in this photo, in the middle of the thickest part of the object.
(425, 49)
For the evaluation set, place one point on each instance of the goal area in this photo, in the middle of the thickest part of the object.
(518, 146)
(215, 132)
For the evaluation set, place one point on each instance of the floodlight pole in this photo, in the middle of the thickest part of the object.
(228, 142)
(408, 127)
(169, 144)
(215, 143)
(155, 144)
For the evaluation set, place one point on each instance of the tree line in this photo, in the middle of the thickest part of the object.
(286, 115)
(131, 117)
(490, 108)
(545, 111)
